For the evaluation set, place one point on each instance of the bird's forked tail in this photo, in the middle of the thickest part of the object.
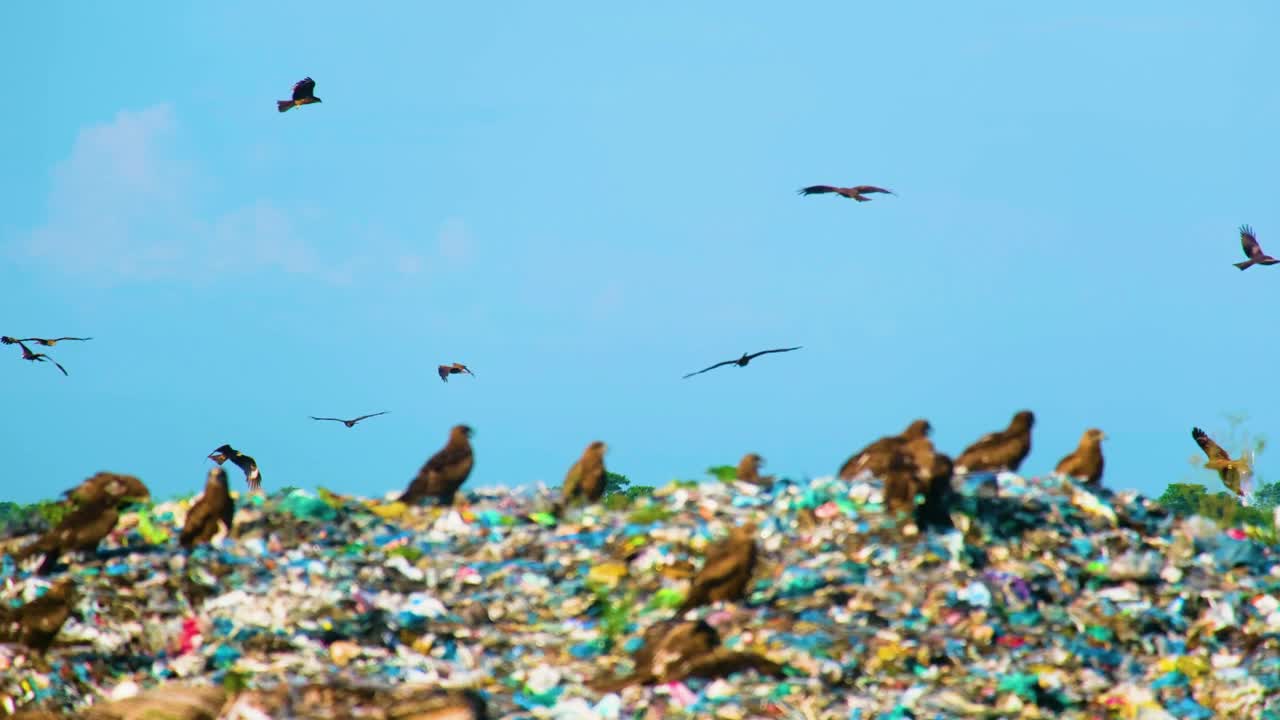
(1243, 265)
(283, 105)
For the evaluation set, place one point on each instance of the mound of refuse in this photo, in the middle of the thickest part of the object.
(1045, 600)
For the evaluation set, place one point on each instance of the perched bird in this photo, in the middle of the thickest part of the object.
(35, 356)
(726, 571)
(213, 509)
(84, 527)
(37, 623)
(586, 479)
(853, 193)
(247, 465)
(353, 421)
(1232, 472)
(447, 370)
(303, 94)
(1086, 460)
(104, 485)
(878, 456)
(742, 361)
(445, 472)
(46, 342)
(934, 472)
(749, 471)
(900, 482)
(1003, 450)
(675, 650)
(1252, 250)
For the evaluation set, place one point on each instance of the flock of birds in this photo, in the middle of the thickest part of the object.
(918, 481)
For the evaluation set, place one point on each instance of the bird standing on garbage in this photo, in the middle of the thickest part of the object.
(674, 650)
(586, 478)
(213, 509)
(104, 485)
(1001, 450)
(37, 623)
(84, 527)
(1233, 473)
(445, 472)
(934, 472)
(726, 571)
(1086, 460)
(877, 457)
(749, 471)
(247, 465)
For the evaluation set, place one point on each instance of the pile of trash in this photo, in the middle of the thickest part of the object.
(1046, 600)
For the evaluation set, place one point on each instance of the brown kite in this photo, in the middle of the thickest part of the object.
(445, 472)
(1232, 472)
(1002, 450)
(853, 193)
(447, 370)
(1086, 460)
(742, 361)
(303, 94)
(352, 422)
(1252, 250)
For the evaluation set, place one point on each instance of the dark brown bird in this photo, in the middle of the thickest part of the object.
(675, 650)
(727, 570)
(878, 456)
(247, 465)
(37, 623)
(1232, 472)
(352, 422)
(749, 471)
(212, 510)
(104, 485)
(586, 479)
(853, 193)
(447, 370)
(46, 342)
(84, 527)
(1086, 460)
(742, 361)
(445, 472)
(35, 356)
(303, 94)
(900, 482)
(1252, 250)
(1003, 450)
(933, 474)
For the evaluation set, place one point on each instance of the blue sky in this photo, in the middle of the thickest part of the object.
(584, 202)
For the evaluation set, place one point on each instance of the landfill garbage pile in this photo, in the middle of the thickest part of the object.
(1045, 601)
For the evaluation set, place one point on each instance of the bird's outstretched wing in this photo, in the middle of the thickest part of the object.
(713, 367)
(5, 339)
(1212, 449)
(818, 189)
(444, 372)
(56, 364)
(313, 417)
(776, 350)
(363, 417)
(872, 189)
(1249, 242)
(304, 88)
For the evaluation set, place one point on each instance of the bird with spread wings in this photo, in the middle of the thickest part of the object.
(856, 192)
(46, 342)
(304, 93)
(1235, 474)
(446, 370)
(742, 361)
(1252, 250)
(352, 422)
(34, 356)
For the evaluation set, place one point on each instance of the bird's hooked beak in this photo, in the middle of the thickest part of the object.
(217, 457)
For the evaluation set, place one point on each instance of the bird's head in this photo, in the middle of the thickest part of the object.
(463, 432)
(919, 428)
(217, 477)
(1094, 436)
(1024, 419)
(598, 446)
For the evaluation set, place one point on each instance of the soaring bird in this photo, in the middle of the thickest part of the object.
(213, 509)
(675, 650)
(1252, 250)
(1086, 460)
(37, 623)
(853, 193)
(726, 571)
(303, 94)
(586, 479)
(46, 342)
(352, 422)
(1232, 472)
(84, 527)
(742, 361)
(445, 472)
(749, 471)
(1002, 450)
(247, 465)
(447, 370)
(35, 356)
(878, 456)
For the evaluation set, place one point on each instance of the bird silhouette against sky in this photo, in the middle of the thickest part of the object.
(1252, 250)
(742, 361)
(34, 356)
(853, 193)
(303, 94)
(447, 370)
(352, 422)
(46, 342)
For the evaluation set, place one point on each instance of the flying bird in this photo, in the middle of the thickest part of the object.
(352, 422)
(726, 571)
(1002, 450)
(586, 478)
(46, 342)
(675, 650)
(853, 193)
(1086, 460)
(445, 472)
(742, 361)
(247, 465)
(878, 456)
(213, 509)
(35, 356)
(37, 623)
(1252, 250)
(303, 94)
(447, 370)
(1233, 473)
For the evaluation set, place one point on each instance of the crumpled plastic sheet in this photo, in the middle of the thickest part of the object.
(1047, 600)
